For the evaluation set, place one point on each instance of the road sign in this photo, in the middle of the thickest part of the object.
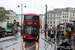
(65, 24)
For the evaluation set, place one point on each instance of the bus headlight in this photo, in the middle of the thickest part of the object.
(24, 36)
(37, 36)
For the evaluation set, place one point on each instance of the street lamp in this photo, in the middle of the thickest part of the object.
(46, 20)
(21, 13)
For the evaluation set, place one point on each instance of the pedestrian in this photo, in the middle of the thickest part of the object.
(62, 34)
(65, 34)
(52, 35)
(69, 34)
(49, 33)
(16, 32)
(58, 33)
(74, 37)
(13, 32)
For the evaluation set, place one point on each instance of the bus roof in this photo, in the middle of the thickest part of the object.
(32, 14)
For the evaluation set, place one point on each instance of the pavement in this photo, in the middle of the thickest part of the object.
(11, 44)
(8, 38)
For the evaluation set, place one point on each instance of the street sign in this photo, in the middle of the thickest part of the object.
(65, 24)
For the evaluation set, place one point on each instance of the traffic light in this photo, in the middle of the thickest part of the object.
(22, 27)
(40, 25)
(14, 21)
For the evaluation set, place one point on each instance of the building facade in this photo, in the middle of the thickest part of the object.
(12, 16)
(61, 15)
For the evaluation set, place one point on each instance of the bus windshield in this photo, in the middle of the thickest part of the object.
(31, 17)
(31, 30)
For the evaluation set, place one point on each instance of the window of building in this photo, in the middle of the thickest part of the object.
(67, 16)
(67, 20)
(70, 20)
(73, 11)
(51, 22)
(63, 19)
(63, 16)
(48, 22)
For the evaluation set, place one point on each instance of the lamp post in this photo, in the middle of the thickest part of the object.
(46, 20)
(21, 4)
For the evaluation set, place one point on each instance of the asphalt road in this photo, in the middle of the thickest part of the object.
(10, 44)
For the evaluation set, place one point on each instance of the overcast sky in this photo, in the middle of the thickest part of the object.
(36, 6)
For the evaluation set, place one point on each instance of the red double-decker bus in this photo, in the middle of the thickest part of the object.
(31, 25)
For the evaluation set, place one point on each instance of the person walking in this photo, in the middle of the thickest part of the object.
(49, 33)
(65, 34)
(13, 32)
(58, 33)
(52, 35)
(69, 34)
